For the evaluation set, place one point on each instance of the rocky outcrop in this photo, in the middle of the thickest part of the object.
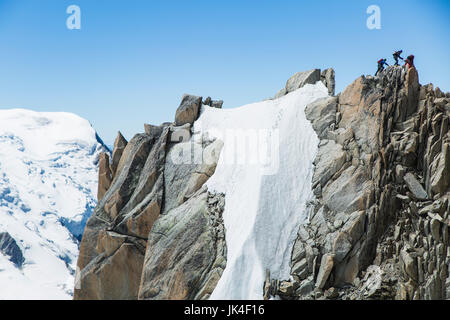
(119, 145)
(188, 110)
(378, 227)
(328, 78)
(213, 103)
(186, 252)
(10, 248)
(153, 214)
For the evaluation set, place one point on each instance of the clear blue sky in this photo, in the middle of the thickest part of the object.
(132, 60)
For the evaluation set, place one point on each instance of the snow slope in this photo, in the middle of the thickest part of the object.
(48, 187)
(265, 201)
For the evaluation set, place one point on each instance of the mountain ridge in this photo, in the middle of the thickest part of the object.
(379, 183)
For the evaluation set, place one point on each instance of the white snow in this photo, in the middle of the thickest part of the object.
(48, 187)
(265, 201)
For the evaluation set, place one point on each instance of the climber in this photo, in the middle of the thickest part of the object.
(381, 64)
(410, 61)
(397, 55)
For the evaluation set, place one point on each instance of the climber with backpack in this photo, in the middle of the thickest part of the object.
(409, 61)
(381, 64)
(397, 55)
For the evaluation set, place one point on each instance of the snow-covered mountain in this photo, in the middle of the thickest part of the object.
(48, 189)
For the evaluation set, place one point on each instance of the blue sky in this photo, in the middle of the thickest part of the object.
(132, 60)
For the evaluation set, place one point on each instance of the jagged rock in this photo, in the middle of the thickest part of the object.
(372, 282)
(325, 270)
(412, 90)
(188, 111)
(185, 175)
(217, 104)
(299, 79)
(349, 192)
(341, 246)
(119, 146)
(112, 277)
(328, 78)
(341, 135)
(440, 181)
(322, 113)
(329, 160)
(207, 101)
(128, 209)
(181, 252)
(415, 187)
(306, 287)
(10, 248)
(286, 288)
(153, 131)
(180, 134)
(104, 175)
(435, 227)
(409, 264)
(204, 171)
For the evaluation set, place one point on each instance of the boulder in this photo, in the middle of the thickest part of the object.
(189, 110)
(329, 160)
(153, 131)
(322, 113)
(415, 187)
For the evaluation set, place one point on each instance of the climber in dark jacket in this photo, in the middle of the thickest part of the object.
(397, 55)
(409, 61)
(381, 64)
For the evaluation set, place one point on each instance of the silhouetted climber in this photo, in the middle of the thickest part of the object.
(381, 64)
(410, 61)
(397, 56)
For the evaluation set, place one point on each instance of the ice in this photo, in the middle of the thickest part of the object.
(264, 202)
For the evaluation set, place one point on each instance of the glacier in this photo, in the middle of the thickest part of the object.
(265, 201)
(48, 189)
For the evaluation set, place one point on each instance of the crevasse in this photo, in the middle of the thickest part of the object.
(264, 204)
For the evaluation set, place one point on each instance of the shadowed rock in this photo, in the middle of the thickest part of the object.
(9, 247)
(189, 109)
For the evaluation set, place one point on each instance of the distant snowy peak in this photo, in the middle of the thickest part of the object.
(48, 189)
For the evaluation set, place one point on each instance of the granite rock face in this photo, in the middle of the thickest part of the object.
(378, 227)
(145, 194)
(10, 248)
(188, 110)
